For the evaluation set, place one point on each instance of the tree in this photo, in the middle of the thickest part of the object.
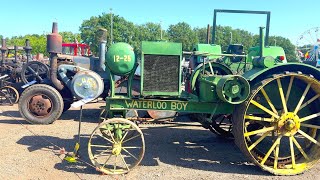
(183, 33)
(68, 36)
(122, 31)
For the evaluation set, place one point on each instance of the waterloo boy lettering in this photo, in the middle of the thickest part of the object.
(160, 105)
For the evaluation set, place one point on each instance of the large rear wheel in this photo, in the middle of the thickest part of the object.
(278, 127)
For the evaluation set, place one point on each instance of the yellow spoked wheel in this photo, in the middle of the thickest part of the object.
(116, 146)
(278, 127)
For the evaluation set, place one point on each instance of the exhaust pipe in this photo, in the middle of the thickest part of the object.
(54, 47)
(102, 36)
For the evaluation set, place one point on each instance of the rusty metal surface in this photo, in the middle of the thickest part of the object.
(40, 105)
(54, 40)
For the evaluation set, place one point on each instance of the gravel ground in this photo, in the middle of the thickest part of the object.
(182, 150)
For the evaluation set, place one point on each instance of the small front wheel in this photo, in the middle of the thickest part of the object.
(116, 146)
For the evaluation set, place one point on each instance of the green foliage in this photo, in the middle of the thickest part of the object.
(37, 42)
(286, 44)
(122, 31)
(69, 37)
(183, 33)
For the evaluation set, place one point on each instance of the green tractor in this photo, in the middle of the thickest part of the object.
(274, 106)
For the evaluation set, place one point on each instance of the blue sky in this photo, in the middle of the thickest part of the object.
(288, 18)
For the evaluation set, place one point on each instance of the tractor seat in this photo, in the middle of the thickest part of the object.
(235, 49)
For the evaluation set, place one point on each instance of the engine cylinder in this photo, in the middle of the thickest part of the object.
(120, 59)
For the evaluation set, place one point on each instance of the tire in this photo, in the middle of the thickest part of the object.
(40, 104)
(278, 127)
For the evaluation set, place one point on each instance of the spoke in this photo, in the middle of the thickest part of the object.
(132, 147)
(247, 134)
(258, 141)
(107, 160)
(300, 148)
(269, 101)
(95, 145)
(276, 156)
(284, 104)
(124, 136)
(106, 138)
(111, 135)
(309, 137)
(115, 163)
(309, 101)
(101, 153)
(256, 118)
(289, 88)
(130, 154)
(302, 98)
(292, 153)
(310, 125)
(277, 142)
(310, 117)
(124, 162)
(264, 109)
(131, 138)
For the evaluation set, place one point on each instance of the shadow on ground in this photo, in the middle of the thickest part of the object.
(189, 148)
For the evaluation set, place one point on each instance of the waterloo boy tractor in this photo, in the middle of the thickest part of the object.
(275, 106)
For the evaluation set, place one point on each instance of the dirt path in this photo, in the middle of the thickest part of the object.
(185, 151)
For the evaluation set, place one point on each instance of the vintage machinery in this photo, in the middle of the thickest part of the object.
(67, 78)
(274, 106)
(13, 71)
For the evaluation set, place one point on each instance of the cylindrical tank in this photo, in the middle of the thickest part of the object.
(120, 59)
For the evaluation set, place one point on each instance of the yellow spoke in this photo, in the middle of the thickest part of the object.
(256, 118)
(130, 154)
(105, 138)
(111, 135)
(103, 146)
(302, 98)
(131, 138)
(310, 125)
(106, 161)
(258, 141)
(277, 142)
(264, 109)
(300, 148)
(292, 153)
(115, 163)
(259, 131)
(284, 104)
(124, 162)
(269, 101)
(132, 147)
(289, 88)
(310, 117)
(309, 137)
(276, 155)
(309, 101)
(101, 153)
(124, 136)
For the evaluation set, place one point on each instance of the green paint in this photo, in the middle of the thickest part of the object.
(120, 59)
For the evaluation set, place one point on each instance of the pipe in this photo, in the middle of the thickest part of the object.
(261, 41)
(54, 70)
(102, 57)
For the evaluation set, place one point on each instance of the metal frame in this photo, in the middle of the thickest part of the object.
(216, 11)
